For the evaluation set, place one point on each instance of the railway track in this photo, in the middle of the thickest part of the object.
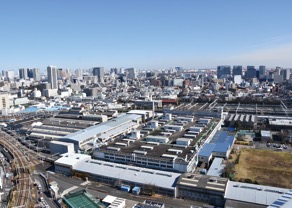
(23, 190)
(22, 164)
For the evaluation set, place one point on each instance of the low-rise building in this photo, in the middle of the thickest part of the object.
(111, 173)
(105, 131)
(202, 188)
(68, 162)
(250, 195)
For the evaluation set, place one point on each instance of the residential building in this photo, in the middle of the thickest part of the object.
(4, 101)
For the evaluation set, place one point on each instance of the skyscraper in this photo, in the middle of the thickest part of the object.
(262, 71)
(223, 71)
(99, 72)
(36, 74)
(52, 76)
(286, 74)
(251, 72)
(23, 74)
(237, 70)
(132, 73)
(9, 75)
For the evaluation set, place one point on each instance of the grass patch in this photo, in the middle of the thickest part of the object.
(266, 167)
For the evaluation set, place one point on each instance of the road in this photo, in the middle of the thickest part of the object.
(44, 192)
(7, 184)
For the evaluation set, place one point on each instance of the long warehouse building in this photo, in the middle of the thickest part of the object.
(104, 131)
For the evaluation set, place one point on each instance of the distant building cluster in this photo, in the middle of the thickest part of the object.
(169, 132)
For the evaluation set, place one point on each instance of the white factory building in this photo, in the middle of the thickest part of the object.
(108, 172)
(105, 131)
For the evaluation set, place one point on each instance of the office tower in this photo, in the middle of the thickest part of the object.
(114, 70)
(9, 75)
(286, 74)
(79, 73)
(23, 74)
(29, 73)
(237, 70)
(36, 74)
(223, 71)
(262, 71)
(52, 76)
(122, 70)
(277, 70)
(99, 73)
(251, 72)
(132, 73)
(59, 73)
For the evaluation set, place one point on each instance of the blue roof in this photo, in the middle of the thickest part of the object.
(221, 147)
(222, 137)
(231, 129)
(207, 150)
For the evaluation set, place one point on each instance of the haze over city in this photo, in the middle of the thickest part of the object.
(145, 34)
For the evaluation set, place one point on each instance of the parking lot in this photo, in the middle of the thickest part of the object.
(273, 146)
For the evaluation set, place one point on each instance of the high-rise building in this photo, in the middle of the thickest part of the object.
(9, 75)
(52, 76)
(251, 72)
(114, 71)
(262, 71)
(237, 70)
(223, 71)
(36, 74)
(286, 74)
(99, 72)
(23, 74)
(132, 73)
(122, 70)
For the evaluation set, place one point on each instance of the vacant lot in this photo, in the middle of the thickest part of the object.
(266, 167)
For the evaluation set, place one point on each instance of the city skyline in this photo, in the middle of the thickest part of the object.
(144, 34)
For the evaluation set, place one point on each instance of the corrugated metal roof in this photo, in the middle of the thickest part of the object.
(285, 201)
(257, 194)
(129, 173)
(207, 150)
(221, 147)
(101, 128)
(216, 168)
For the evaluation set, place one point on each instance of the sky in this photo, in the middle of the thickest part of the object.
(145, 34)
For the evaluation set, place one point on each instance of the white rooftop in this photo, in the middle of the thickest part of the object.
(257, 194)
(109, 199)
(102, 127)
(62, 143)
(71, 160)
(128, 173)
